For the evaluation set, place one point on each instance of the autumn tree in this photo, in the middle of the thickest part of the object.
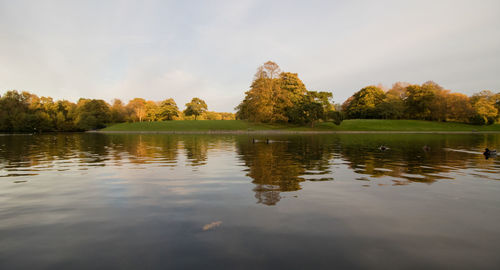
(227, 116)
(438, 106)
(213, 116)
(485, 108)
(276, 96)
(152, 111)
(196, 107)
(118, 111)
(137, 109)
(260, 103)
(459, 108)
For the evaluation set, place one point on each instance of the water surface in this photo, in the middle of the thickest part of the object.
(130, 201)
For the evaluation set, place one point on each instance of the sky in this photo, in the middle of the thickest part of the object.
(211, 49)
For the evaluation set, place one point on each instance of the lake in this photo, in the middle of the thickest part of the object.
(152, 201)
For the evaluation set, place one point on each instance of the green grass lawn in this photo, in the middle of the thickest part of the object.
(347, 125)
(189, 125)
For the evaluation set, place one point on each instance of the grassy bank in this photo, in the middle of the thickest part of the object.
(348, 125)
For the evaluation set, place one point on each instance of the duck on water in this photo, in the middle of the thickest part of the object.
(490, 153)
(383, 148)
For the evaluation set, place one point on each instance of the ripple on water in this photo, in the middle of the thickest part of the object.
(221, 198)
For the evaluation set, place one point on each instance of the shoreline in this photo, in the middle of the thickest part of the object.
(287, 132)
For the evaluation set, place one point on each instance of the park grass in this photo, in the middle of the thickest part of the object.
(347, 125)
(190, 125)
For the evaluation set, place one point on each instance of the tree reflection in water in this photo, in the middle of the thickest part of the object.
(273, 169)
(280, 166)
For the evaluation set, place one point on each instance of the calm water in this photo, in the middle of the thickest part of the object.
(95, 201)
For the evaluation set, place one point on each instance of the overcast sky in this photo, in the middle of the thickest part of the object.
(211, 49)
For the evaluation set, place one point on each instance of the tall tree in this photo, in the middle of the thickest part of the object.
(260, 101)
(274, 96)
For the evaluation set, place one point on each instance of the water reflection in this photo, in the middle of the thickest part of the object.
(336, 201)
(275, 167)
(408, 160)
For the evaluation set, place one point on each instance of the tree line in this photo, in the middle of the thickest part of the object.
(428, 101)
(26, 112)
(277, 96)
(274, 97)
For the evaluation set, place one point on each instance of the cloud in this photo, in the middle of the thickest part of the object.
(162, 49)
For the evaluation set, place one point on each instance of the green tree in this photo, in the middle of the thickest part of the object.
(311, 108)
(196, 107)
(289, 97)
(168, 109)
(393, 106)
(13, 111)
(65, 118)
(419, 100)
(336, 117)
(92, 114)
(363, 103)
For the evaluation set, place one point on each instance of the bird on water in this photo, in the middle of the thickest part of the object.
(489, 153)
(383, 148)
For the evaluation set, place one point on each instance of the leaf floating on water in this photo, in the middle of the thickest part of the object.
(212, 225)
